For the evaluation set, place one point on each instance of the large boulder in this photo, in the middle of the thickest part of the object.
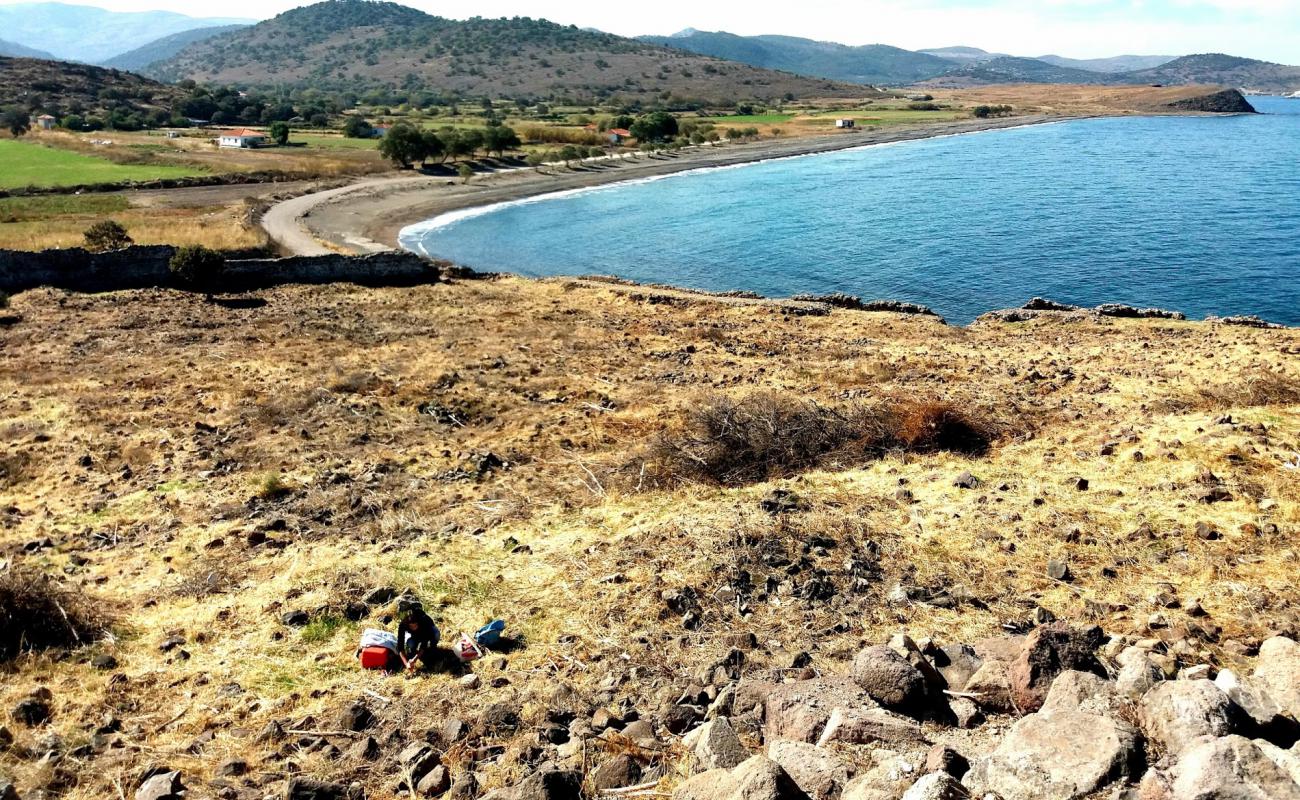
(800, 710)
(163, 786)
(716, 745)
(819, 773)
(1278, 666)
(990, 687)
(617, 773)
(1261, 711)
(1047, 652)
(1082, 691)
(890, 679)
(1177, 715)
(956, 663)
(1138, 674)
(550, 784)
(887, 780)
(759, 778)
(1231, 768)
(870, 726)
(1058, 754)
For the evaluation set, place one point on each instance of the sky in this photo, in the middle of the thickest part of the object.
(1265, 29)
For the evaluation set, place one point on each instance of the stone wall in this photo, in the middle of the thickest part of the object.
(144, 267)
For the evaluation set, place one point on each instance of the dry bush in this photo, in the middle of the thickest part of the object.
(545, 134)
(36, 613)
(1256, 391)
(934, 427)
(765, 436)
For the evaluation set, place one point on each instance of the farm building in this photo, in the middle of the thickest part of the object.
(845, 123)
(617, 135)
(45, 122)
(243, 138)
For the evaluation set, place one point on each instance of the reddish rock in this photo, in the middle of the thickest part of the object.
(1047, 652)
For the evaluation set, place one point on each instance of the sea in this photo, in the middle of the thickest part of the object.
(1194, 214)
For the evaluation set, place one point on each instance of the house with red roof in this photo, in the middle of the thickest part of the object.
(617, 135)
(243, 138)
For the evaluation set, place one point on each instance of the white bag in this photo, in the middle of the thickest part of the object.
(373, 637)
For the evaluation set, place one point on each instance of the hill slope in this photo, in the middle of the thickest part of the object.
(1009, 69)
(1246, 73)
(1110, 65)
(166, 47)
(870, 64)
(353, 44)
(93, 35)
(15, 50)
(59, 87)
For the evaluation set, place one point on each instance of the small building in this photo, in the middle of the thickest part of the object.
(244, 139)
(618, 135)
(45, 122)
(845, 123)
(380, 131)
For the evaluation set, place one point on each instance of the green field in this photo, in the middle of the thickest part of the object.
(751, 119)
(26, 164)
(326, 142)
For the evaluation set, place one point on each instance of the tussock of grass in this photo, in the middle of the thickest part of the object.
(1254, 391)
(766, 435)
(36, 613)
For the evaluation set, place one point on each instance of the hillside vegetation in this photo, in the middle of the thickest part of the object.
(356, 45)
(61, 88)
(168, 46)
(642, 483)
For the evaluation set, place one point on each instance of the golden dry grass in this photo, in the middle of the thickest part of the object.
(219, 227)
(376, 408)
(1072, 100)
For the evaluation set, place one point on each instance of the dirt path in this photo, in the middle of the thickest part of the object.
(368, 216)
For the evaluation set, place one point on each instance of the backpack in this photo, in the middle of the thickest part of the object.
(490, 634)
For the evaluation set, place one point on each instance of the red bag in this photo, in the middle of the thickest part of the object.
(376, 657)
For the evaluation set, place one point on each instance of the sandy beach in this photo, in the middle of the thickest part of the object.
(368, 216)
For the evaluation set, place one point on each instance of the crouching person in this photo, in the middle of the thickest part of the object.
(417, 636)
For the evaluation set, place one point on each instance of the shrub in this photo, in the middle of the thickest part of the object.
(107, 235)
(925, 106)
(198, 267)
(766, 436)
(36, 613)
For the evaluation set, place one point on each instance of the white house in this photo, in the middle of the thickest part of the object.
(45, 122)
(243, 138)
(844, 123)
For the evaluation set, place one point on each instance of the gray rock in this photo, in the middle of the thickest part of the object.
(1137, 673)
(870, 726)
(310, 789)
(890, 679)
(356, 717)
(165, 786)
(887, 780)
(418, 759)
(1179, 714)
(1231, 768)
(716, 745)
(957, 663)
(1048, 651)
(1278, 666)
(991, 685)
(819, 773)
(966, 713)
(759, 778)
(616, 773)
(943, 758)
(1058, 754)
(233, 768)
(1082, 691)
(551, 784)
(799, 711)
(1257, 704)
(937, 786)
(436, 783)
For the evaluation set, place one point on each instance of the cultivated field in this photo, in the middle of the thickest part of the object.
(532, 451)
(24, 164)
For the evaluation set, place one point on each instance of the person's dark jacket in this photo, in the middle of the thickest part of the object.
(424, 637)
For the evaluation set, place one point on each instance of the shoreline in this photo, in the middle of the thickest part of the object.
(369, 216)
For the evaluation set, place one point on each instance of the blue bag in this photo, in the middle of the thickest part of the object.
(490, 633)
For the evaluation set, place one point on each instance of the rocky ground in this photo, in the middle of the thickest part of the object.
(223, 496)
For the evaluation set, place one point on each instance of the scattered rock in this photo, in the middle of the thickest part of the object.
(233, 768)
(356, 717)
(165, 786)
(817, 771)
(550, 784)
(716, 745)
(1058, 569)
(295, 619)
(1179, 714)
(365, 749)
(1278, 666)
(799, 711)
(759, 778)
(1058, 754)
(991, 687)
(870, 726)
(1047, 652)
(34, 710)
(1082, 691)
(937, 786)
(1232, 768)
(943, 758)
(436, 783)
(966, 481)
(309, 789)
(616, 773)
(1265, 714)
(890, 679)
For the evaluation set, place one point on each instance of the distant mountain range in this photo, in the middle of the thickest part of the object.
(14, 50)
(93, 35)
(882, 65)
(356, 45)
(139, 59)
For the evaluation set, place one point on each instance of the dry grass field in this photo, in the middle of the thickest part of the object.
(498, 448)
(1071, 100)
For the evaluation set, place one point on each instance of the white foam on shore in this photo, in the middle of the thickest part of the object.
(411, 237)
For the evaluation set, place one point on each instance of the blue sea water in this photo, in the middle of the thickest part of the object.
(1196, 214)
